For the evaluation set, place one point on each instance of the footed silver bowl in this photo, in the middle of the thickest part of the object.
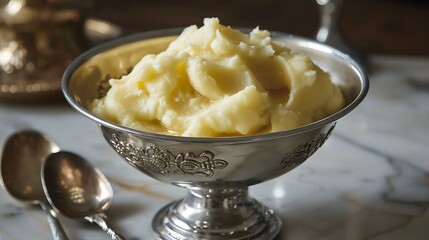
(216, 171)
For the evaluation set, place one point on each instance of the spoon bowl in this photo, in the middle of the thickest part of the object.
(24, 153)
(77, 189)
(74, 187)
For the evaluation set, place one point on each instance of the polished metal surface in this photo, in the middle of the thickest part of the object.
(329, 29)
(216, 213)
(328, 32)
(216, 171)
(38, 39)
(78, 190)
(23, 155)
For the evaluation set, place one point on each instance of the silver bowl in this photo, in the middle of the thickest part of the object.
(216, 171)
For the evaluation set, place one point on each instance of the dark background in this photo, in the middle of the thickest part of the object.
(399, 27)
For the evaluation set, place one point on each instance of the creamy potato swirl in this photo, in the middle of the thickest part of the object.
(217, 81)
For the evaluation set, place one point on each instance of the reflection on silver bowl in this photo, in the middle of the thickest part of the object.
(216, 171)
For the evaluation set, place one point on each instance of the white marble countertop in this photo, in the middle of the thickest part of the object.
(369, 181)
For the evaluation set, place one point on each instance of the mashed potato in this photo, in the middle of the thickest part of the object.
(216, 81)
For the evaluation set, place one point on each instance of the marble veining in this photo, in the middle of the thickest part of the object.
(370, 180)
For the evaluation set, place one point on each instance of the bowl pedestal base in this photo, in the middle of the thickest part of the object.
(208, 214)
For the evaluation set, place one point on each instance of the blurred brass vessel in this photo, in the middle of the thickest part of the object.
(38, 39)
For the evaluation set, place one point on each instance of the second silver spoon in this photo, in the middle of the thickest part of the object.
(76, 189)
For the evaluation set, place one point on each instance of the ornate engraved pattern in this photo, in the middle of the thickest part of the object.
(302, 152)
(162, 161)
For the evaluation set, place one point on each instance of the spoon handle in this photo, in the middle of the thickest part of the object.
(101, 220)
(54, 224)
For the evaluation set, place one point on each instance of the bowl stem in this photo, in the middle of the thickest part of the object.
(216, 213)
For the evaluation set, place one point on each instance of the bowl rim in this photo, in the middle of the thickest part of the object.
(87, 55)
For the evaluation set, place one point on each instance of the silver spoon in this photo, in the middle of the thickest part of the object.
(77, 189)
(23, 155)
